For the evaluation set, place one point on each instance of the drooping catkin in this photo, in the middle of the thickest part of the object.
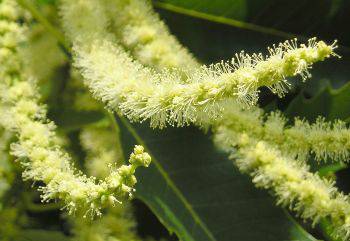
(141, 31)
(141, 94)
(325, 140)
(37, 147)
(294, 186)
(117, 223)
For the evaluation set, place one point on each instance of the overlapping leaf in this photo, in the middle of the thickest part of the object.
(197, 193)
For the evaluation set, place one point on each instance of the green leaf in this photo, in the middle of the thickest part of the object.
(41, 235)
(70, 119)
(330, 103)
(196, 192)
(218, 14)
(285, 19)
(327, 230)
(330, 169)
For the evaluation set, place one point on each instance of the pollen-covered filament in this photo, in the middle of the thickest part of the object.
(141, 94)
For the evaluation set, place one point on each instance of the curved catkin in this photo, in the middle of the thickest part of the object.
(140, 30)
(325, 140)
(117, 223)
(294, 186)
(37, 147)
(141, 94)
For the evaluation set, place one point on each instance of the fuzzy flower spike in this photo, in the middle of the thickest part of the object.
(325, 140)
(141, 94)
(37, 147)
(294, 186)
(140, 30)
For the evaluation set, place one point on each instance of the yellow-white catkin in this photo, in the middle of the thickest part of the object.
(140, 30)
(141, 94)
(37, 146)
(117, 223)
(294, 186)
(291, 180)
(325, 140)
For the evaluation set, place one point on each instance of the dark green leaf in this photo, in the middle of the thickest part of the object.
(330, 103)
(197, 193)
(70, 119)
(322, 18)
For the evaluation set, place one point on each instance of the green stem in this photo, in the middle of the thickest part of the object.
(232, 22)
(331, 169)
(223, 20)
(32, 8)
